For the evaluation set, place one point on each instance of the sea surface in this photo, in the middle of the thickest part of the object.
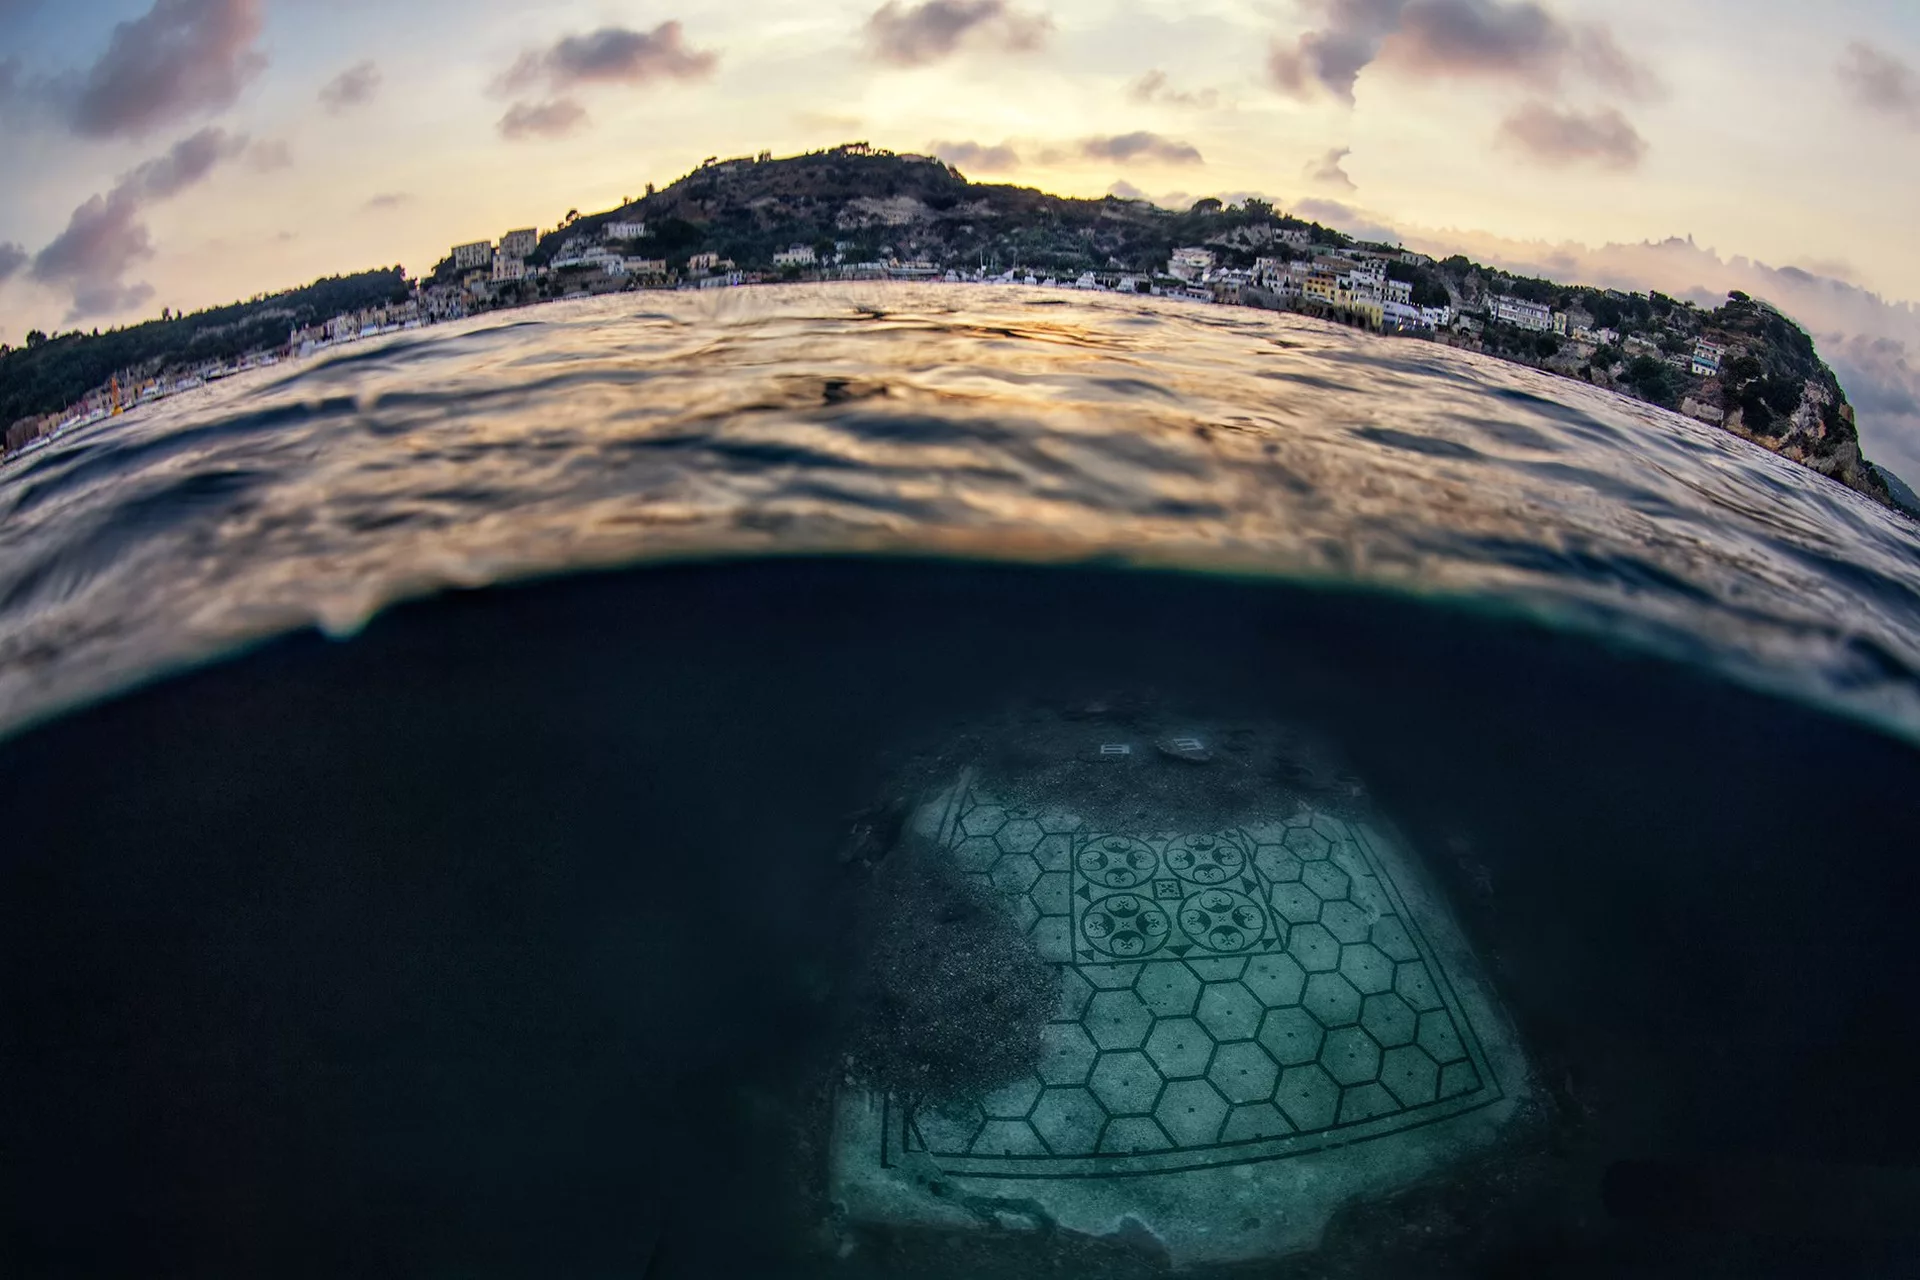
(443, 780)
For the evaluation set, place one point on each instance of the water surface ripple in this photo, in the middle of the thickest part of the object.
(911, 419)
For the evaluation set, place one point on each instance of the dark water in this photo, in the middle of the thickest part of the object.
(526, 931)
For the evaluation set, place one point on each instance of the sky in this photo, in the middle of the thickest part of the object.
(181, 153)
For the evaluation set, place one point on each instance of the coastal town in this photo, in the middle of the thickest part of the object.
(858, 213)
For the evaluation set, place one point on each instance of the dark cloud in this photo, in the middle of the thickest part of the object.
(1500, 39)
(182, 58)
(1881, 82)
(106, 237)
(914, 36)
(354, 87)
(388, 200)
(1140, 145)
(1153, 87)
(612, 55)
(553, 119)
(997, 158)
(12, 258)
(1558, 137)
(1326, 169)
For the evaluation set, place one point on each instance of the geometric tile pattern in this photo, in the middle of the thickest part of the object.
(1224, 996)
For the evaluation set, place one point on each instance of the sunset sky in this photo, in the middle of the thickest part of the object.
(185, 152)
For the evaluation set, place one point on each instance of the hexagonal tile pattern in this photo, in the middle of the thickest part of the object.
(1316, 949)
(1053, 939)
(1217, 968)
(1458, 1077)
(1117, 1020)
(1391, 936)
(984, 820)
(1008, 1138)
(1125, 1083)
(1415, 986)
(950, 1127)
(1229, 1011)
(1023, 912)
(1012, 1100)
(1325, 879)
(1022, 835)
(1111, 977)
(1179, 1047)
(1366, 968)
(1276, 864)
(1295, 903)
(1054, 852)
(1275, 980)
(1015, 873)
(1350, 1056)
(1191, 1112)
(1365, 1102)
(1243, 1072)
(1307, 845)
(1075, 991)
(1346, 921)
(1308, 1096)
(1069, 1121)
(1439, 1038)
(976, 855)
(1410, 1075)
(1168, 988)
(1332, 999)
(1255, 1120)
(1130, 1135)
(1291, 1036)
(1050, 893)
(1388, 1019)
(1066, 1053)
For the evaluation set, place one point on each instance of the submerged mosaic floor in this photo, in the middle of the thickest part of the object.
(1224, 996)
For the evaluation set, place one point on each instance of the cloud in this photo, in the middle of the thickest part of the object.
(1344, 217)
(828, 122)
(268, 155)
(997, 158)
(181, 59)
(354, 87)
(1140, 144)
(1154, 88)
(935, 29)
(553, 119)
(1881, 82)
(1326, 170)
(1496, 39)
(1127, 191)
(388, 200)
(12, 258)
(106, 237)
(1558, 137)
(611, 55)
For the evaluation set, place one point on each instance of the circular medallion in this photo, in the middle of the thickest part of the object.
(1125, 925)
(1205, 859)
(1117, 862)
(1222, 920)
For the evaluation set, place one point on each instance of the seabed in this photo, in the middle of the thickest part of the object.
(1256, 1026)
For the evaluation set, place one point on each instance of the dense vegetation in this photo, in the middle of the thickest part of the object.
(50, 373)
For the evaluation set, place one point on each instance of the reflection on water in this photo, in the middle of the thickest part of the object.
(894, 419)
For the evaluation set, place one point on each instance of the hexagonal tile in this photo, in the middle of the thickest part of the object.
(1111, 977)
(1308, 1096)
(1059, 822)
(976, 855)
(1117, 1020)
(1366, 1102)
(984, 820)
(1391, 936)
(1276, 864)
(1410, 1075)
(1457, 1078)
(1022, 835)
(1229, 1011)
(1275, 980)
(1366, 968)
(1387, 1019)
(1022, 913)
(1130, 1135)
(1243, 1072)
(1344, 920)
(1217, 968)
(1055, 853)
(1066, 1053)
(1315, 948)
(1415, 986)
(1307, 844)
(1075, 991)
(1191, 1112)
(1051, 893)
(1125, 1083)
(1365, 891)
(1012, 1100)
(1325, 879)
(1291, 1036)
(1332, 999)
(1440, 1038)
(1069, 1121)
(1179, 1047)
(1008, 1138)
(1295, 903)
(1255, 1120)
(1015, 873)
(1053, 939)
(949, 1129)
(1350, 1056)
(1168, 988)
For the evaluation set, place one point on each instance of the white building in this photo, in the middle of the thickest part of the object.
(518, 244)
(799, 256)
(1296, 237)
(645, 266)
(1436, 317)
(1518, 311)
(505, 268)
(626, 230)
(1190, 264)
(703, 262)
(1706, 358)
(468, 257)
